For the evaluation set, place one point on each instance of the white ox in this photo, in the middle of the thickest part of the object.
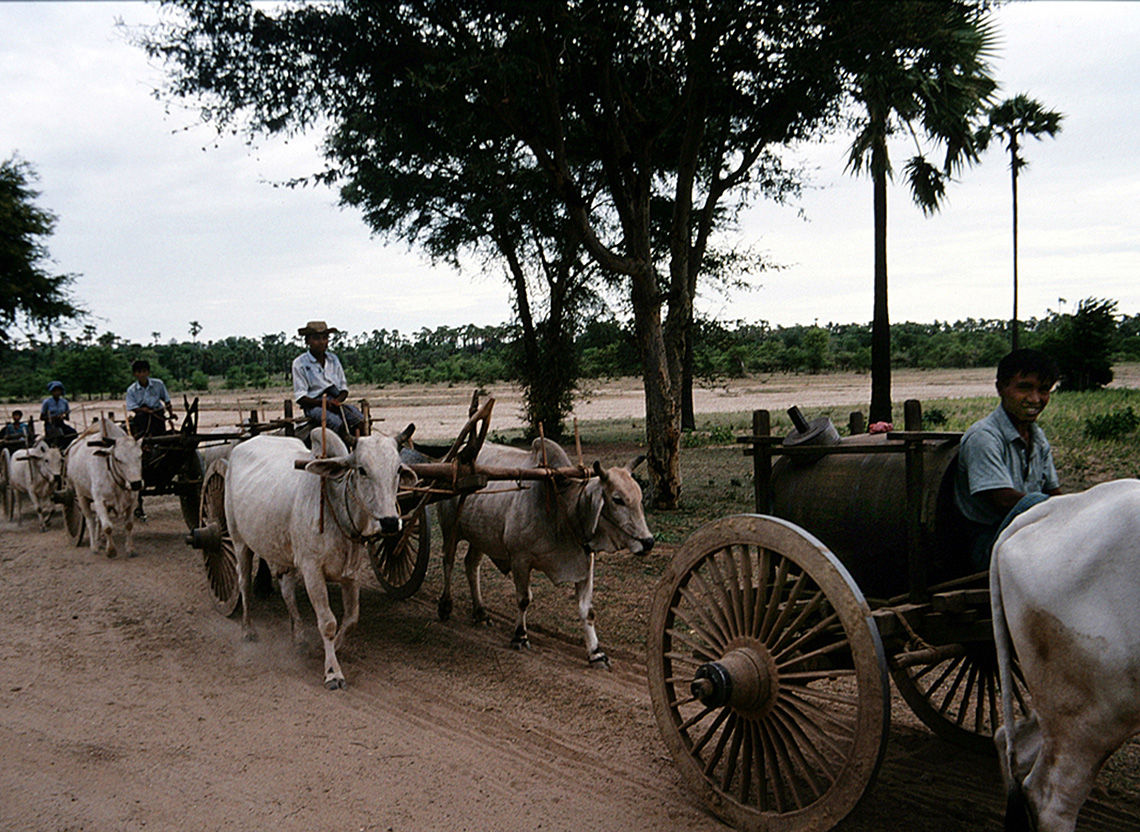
(274, 509)
(554, 530)
(33, 471)
(104, 466)
(1065, 592)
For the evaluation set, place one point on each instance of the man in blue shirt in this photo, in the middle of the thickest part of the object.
(1005, 463)
(17, 428)
(146, 399)
(54, 413)
(319, 372)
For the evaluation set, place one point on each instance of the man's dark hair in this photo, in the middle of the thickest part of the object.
(140, 364)
(1027, 361)
(16, 414)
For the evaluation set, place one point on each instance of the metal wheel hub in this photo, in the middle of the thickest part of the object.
(744, 678)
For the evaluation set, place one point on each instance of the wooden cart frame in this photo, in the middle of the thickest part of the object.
(768, 668)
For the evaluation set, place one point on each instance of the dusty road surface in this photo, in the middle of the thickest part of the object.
(128, 703)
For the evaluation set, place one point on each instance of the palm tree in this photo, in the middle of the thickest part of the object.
(1010, 120)
(917, 68)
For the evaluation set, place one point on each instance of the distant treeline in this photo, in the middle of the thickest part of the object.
(95, 366)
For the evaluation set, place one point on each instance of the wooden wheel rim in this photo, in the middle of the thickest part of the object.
(804, 763)
(400, 562)
(73, 517)
(959, 699)
(220, 562)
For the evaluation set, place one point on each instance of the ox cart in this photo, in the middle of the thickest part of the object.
(773, 635)
(399, 561)
(173, 463)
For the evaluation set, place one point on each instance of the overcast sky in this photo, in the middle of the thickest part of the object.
(167, 226)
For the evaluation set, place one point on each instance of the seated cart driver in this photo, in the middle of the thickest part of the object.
(54, 413)
(1005, 463)
(318, 372)
(17, 428)
(146, 399)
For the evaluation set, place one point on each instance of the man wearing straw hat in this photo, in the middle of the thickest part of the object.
(318, 372)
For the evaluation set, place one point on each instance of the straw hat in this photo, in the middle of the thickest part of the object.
(316, 328)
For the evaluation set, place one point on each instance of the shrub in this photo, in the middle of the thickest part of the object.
(1113, 425)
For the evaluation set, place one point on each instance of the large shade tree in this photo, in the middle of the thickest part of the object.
(644, 120)
(1010, 121)
(30, 293)
(918, 69)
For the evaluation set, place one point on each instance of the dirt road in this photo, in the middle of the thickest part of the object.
(128, 703)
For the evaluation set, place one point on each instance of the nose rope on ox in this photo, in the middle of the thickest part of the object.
(342, 514)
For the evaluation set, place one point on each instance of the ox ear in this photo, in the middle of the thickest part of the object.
(633, 463)
(408, 477)
(101, 450)
(335, 467)
(404, 440)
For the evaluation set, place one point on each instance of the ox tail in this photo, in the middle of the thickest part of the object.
(1017, 815)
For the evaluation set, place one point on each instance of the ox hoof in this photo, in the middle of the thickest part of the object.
(481, 617)
(444, 609)
(249, 635)
(600, 661)
(335, 684)
(520, 643)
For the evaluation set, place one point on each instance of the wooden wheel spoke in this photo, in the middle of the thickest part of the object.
(843, 727)
(695, 718)
(737, 730)
(730, 608)
(771, 763)
(718, 750)
(719, 638)
(784, 765)
(797, 743)
(701, 650)
(776, 591)
(710, 732)
(715, 601)
(962, 673)
(827, 649)
(748, 606)
(806, 718)
(788, 608)
(815, 631)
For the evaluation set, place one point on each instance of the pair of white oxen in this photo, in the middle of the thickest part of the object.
(273, 497)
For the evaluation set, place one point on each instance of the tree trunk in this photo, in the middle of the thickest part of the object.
(1014, 339)
(880, 325)
(662, 396)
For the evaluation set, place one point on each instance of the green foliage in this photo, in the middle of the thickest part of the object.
(1115, 425)
(28, 291)
(1082, 344)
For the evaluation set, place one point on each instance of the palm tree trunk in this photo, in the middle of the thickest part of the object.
(1014, 339)
(880, 324)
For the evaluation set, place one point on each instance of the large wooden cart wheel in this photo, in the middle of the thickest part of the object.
(401, 561)
(215, 542)
(767, 676)
(959, 698)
